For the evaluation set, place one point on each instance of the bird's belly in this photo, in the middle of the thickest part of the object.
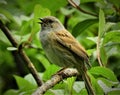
(59, 55)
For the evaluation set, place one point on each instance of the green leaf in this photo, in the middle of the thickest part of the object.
(78, 86)
(90, 51)
(93, 39)
(101, 30)
(95, 85)
(83, 92)
(114, 92)
(82, 26)
(24, 38)
(26, 27)
(112, 36)
(109, 90)
(12, 48)
(43, 60)
(115, 26)
(109, 83)
(23, 84)
(55, 92)
(104, 56)
(104, 86)
(51, 70)
(39, 12)
(70, 82)
(67, 11)
(104, 72)
(11, 92)
(61, 85)
(4, 39)
(53, 5)
(30, 78)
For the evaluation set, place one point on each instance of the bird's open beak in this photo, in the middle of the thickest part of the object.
(41, 21)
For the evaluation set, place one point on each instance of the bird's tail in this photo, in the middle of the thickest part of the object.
(88, 84)
(87, 80)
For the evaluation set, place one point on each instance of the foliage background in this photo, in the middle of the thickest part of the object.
(21, 17)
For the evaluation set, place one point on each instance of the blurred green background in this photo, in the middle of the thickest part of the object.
(99, 20)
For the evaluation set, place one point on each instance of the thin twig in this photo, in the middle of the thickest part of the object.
(66, 21)
(98, 52)
(21, 53)
(69, 72)
(80, 9)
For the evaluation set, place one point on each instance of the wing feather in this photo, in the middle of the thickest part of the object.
(66, 39)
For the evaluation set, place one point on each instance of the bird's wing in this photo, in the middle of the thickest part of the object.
(64, 38)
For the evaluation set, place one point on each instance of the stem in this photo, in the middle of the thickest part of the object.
(98, 52)
(25, 58)
(80, 9)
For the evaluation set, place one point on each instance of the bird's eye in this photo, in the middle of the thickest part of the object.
(50, 21)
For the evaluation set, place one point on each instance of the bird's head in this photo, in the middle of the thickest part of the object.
(51, 23)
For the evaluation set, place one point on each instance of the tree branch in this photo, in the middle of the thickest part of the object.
(78, 8)
(21, 53)
(69, 72)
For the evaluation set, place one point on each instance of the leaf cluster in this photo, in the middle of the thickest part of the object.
(99, 34)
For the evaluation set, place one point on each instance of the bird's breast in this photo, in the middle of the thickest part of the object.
(55, 52)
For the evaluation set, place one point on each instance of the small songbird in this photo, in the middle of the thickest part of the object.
(62, 49)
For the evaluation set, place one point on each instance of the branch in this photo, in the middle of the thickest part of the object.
(98, 52)
(77, 7)
(69, 72)
(66, 21)
(25, 58)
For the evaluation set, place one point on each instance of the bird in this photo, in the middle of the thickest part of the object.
(62, 49)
